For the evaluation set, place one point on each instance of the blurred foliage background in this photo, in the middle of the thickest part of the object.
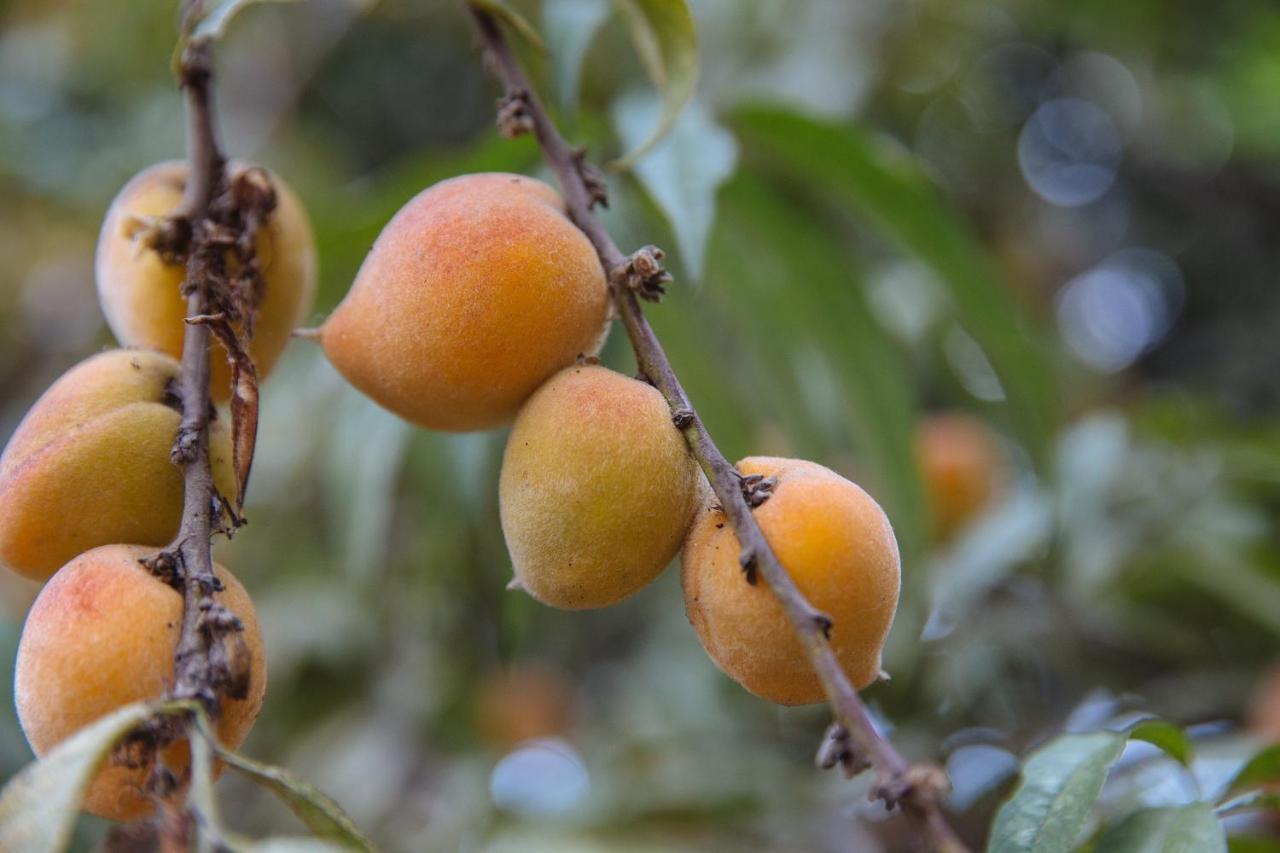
(1063, 219)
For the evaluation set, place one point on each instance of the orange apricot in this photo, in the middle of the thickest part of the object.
(475, 293)
(140, 293)
(837, 545)
(597, 488)
(961, 466)
(101, 635)
(89, 464)
(521, 702)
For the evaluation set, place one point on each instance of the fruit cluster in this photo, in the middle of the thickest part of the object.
(481, 304)
(87, 490)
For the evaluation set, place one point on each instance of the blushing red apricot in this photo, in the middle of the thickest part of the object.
(475, 293)
(89, 464)
(837, 545)
(597, 488)
(101, 635)
(140, 293)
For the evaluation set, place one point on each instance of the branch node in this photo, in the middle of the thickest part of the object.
(514, 117)
(592, 179)
(824, 623)
(165, 565)
(683, 418)
(837, 748)
(643, 274)
(919, 788)
(757, 488)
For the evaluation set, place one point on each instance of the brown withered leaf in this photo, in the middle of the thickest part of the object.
(244, 406)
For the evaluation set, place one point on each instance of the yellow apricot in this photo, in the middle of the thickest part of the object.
(474, 293)
(89, 464)
(101, 635)
(521, 702)
(836, 544)
(961, 466)
(140, 293)
(597, 488)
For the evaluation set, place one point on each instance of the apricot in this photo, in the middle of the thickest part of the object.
(597, 488)
(89, 464)
(476, 292)
(961, 466)
(1263, 716)
(140, 293)
(101, 635)
(523, 701)
(834, 541)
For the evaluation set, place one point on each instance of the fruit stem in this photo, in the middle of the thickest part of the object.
(918, 790)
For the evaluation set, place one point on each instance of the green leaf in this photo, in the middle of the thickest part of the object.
(1060, 783)
(1170, 738)
(866, 176)
(321, 814)
(764, 243)
(1252, 844)
(208, 22)
(38, 807)
(1252, 801)
(667, 43)
(288, 844)
(683, 172)
(513, 19)
(1181, 829)
(570, 26)
(1262, 769)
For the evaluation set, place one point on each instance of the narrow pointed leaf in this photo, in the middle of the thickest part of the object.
(666, 40)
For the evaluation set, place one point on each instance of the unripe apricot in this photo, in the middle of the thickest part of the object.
(474, 293)
(101, 635)
(961, 466)
(89, 464)
(597, 488)
(140, 293)
(836, 544)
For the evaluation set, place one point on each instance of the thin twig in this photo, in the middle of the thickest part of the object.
(917, 789)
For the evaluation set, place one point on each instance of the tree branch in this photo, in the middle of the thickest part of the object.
(917, 789)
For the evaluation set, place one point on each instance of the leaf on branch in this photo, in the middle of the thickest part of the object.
(1060, 783)
(244, 406)
(38, 807)
(513, 19)
(570, 26)
(321, 814)
(208, 21)
(1166, 830)
(683, 172)
(1252, 801)
(871, 178)
(666, 40)
(1168, 737)
(1262, 769)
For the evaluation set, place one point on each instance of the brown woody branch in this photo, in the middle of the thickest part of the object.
(853, 741)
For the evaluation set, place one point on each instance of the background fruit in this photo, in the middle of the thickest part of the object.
(523, 701)
(140, 293)
(597, 488)
(961, 465)
(838, 547)
(474, 293)
(101, 635)
(89, 464)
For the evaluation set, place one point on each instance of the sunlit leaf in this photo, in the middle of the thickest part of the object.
(667, 43)
(1060, 783)
(39, 806)
(1168, 737)
(1182, 829)
(886, 186)
(501, 10)
(683, 172)
(570, 26)
(1262, 769)
(314, 808)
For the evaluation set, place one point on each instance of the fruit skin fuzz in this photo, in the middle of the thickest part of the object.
(597, 488)
(477, 291)
(89, 464)
(102, 634)
(141, 294)
(837, 545)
